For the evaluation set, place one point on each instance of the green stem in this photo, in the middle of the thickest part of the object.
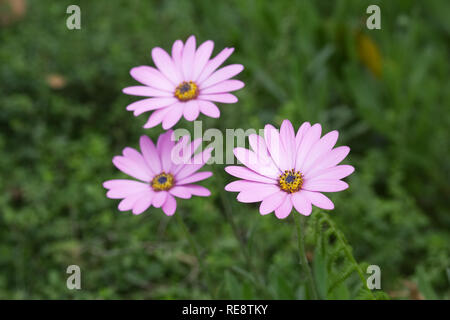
(299, 221)
(194, 247)
(348, 253)
(237, 234)
(228, 214)
(190, 238)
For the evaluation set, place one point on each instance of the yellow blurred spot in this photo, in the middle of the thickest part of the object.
(12, 11)
(56, 81)
(369, 54)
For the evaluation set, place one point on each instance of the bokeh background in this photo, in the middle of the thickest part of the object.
(63, 118)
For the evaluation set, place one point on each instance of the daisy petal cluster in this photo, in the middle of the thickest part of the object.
(184, 83)
(286, 170)
(161, 174)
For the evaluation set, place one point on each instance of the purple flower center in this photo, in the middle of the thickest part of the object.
(187, 90)
(162, 179)
(185, 87)
(290, 178)
(291, 181)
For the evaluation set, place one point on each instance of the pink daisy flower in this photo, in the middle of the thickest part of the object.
(184, 84)
(287, 170)
(161, 178)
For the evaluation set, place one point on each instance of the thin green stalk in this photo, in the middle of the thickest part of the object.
(229, 217)
(228, 213)
(194, 247)
(299, 221)
(341, 238)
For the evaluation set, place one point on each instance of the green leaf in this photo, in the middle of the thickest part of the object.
(424, 285)
(233, 286)
(320, 270)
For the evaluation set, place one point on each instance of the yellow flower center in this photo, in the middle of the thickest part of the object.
(186, 91)
(163, 181)
(291, 181)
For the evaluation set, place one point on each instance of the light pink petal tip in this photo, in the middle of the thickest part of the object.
(152, 77)
(272, 202)
(170, 205)
(285, 208)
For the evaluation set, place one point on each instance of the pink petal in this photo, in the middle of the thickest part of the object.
(284, 209)
(329, 160)
(156, 117)
(220, 97)
(322, 147)
(128, 203)
(190, 149)
(159, 198)
(245, 173)
(131, 168)
(180, 192)
(198, 161)
(242, 185)
(166, 65)
(177, 51)
(273, 143)
(319, 200)
(142, 204)
(138, 159)
(181, 154)
(197, 190)
(335, 173)
(195, 177)
(325, 185)
(155, 103)
(251, 160)
(191, 110)
(223, 87)
(169, 206)
(146, 92)
(122, 188)
(272, 202)
(150, 154)
(166, 145)
(258, 145)
(187, 58)
(162, 140)
(301, 133)
(213, 64)
(301, 203)
(308, 141)
(119, 183)
(257, 193)
(287, 136)
(222, 74)
(150, 104)
(152, 78)
(202, 56)
(208, 108)
(173, 116)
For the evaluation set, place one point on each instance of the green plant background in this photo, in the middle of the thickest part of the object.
(303, 61)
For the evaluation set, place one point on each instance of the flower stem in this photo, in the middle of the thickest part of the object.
(300, 223)
(256, 278)
(193, 245)
(190, 238)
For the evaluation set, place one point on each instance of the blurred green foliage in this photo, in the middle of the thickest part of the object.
(303, 61)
